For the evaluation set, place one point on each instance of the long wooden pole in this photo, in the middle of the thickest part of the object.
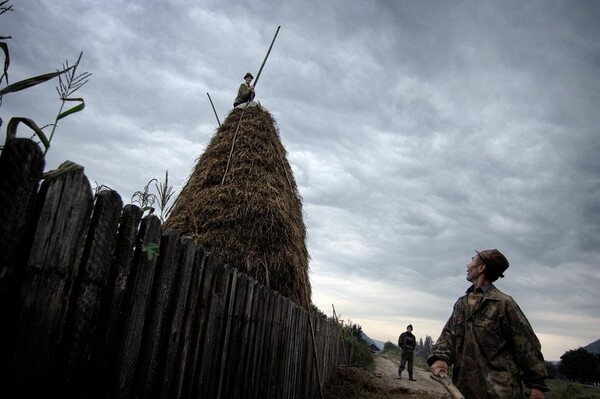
(214, 110)
(266, 56)
(240, 121)
(314, 342)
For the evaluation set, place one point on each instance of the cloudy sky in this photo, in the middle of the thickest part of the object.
(418, 131)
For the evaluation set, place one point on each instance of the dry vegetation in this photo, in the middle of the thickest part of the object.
(242, 204)
(355, 382)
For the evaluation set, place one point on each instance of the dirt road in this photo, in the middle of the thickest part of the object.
(386, 372)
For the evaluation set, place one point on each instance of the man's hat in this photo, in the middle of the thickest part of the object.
(409, 326)
(494, 259)
(248, 74)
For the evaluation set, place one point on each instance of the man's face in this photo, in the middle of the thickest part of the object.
(474, 268)
(248, 79)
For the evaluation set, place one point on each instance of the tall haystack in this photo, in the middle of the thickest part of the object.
(242, 204)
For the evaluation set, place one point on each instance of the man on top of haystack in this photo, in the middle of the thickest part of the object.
(245, 92)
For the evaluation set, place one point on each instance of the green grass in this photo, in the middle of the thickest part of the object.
(560, 389)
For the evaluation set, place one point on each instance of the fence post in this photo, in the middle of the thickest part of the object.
(21, 166)
(113, 311)
(65, 203)
(174, 327)
(135, 308)
(90, 284)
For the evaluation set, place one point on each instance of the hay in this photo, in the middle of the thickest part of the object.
(252, 217)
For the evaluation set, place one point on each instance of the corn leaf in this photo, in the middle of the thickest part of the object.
(73, 110)
(11, 129)
(24, 84)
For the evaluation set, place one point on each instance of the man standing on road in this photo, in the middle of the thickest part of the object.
(407, 344)
(489, 340)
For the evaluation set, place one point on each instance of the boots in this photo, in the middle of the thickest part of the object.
(410, 377)
(399, 374)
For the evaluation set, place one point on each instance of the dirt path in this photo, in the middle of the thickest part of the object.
(386, 371)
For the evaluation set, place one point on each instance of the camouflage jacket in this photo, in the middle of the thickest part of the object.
(492, 347)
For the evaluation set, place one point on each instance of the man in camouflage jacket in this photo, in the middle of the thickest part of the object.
(489, 340)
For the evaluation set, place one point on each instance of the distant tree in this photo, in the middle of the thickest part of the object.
(357, 331)
(427, 346)
(552, 370)
(580, 365)
(423, 348)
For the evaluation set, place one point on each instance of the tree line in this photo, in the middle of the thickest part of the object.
(577, 365)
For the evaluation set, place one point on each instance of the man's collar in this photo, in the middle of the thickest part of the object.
(483, 289)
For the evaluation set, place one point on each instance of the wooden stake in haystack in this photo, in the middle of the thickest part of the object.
(242, 204)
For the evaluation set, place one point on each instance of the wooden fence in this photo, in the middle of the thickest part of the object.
(85, 313)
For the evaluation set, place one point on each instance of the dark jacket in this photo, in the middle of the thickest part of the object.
(407, 342)
(493, 348)
(244, 95)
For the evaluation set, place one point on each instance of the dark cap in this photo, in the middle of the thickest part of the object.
(494, 260)
(248, 74)
(409, 326)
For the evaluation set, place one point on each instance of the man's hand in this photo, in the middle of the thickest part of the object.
(440, 366)
(536, 394)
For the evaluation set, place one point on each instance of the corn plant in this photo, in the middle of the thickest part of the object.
(67, 86)
(146, 199)
(72, 83)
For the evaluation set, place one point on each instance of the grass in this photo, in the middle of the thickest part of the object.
(560, 389)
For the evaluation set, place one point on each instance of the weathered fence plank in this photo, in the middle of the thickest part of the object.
(153, 337)
(21, 166)
(253, 370)
(176, 314)
(247, 336)
(274, 348)
(137, 303)
(84, 309)
(233, 343)
(215, 327)
(185, 366)
(264, 376)
(110, 325)
(284, 356)
(295, 346)
(192, 375)
(65, 203)
(306, 354)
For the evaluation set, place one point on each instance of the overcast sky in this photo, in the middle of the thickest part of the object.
(418, 131)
